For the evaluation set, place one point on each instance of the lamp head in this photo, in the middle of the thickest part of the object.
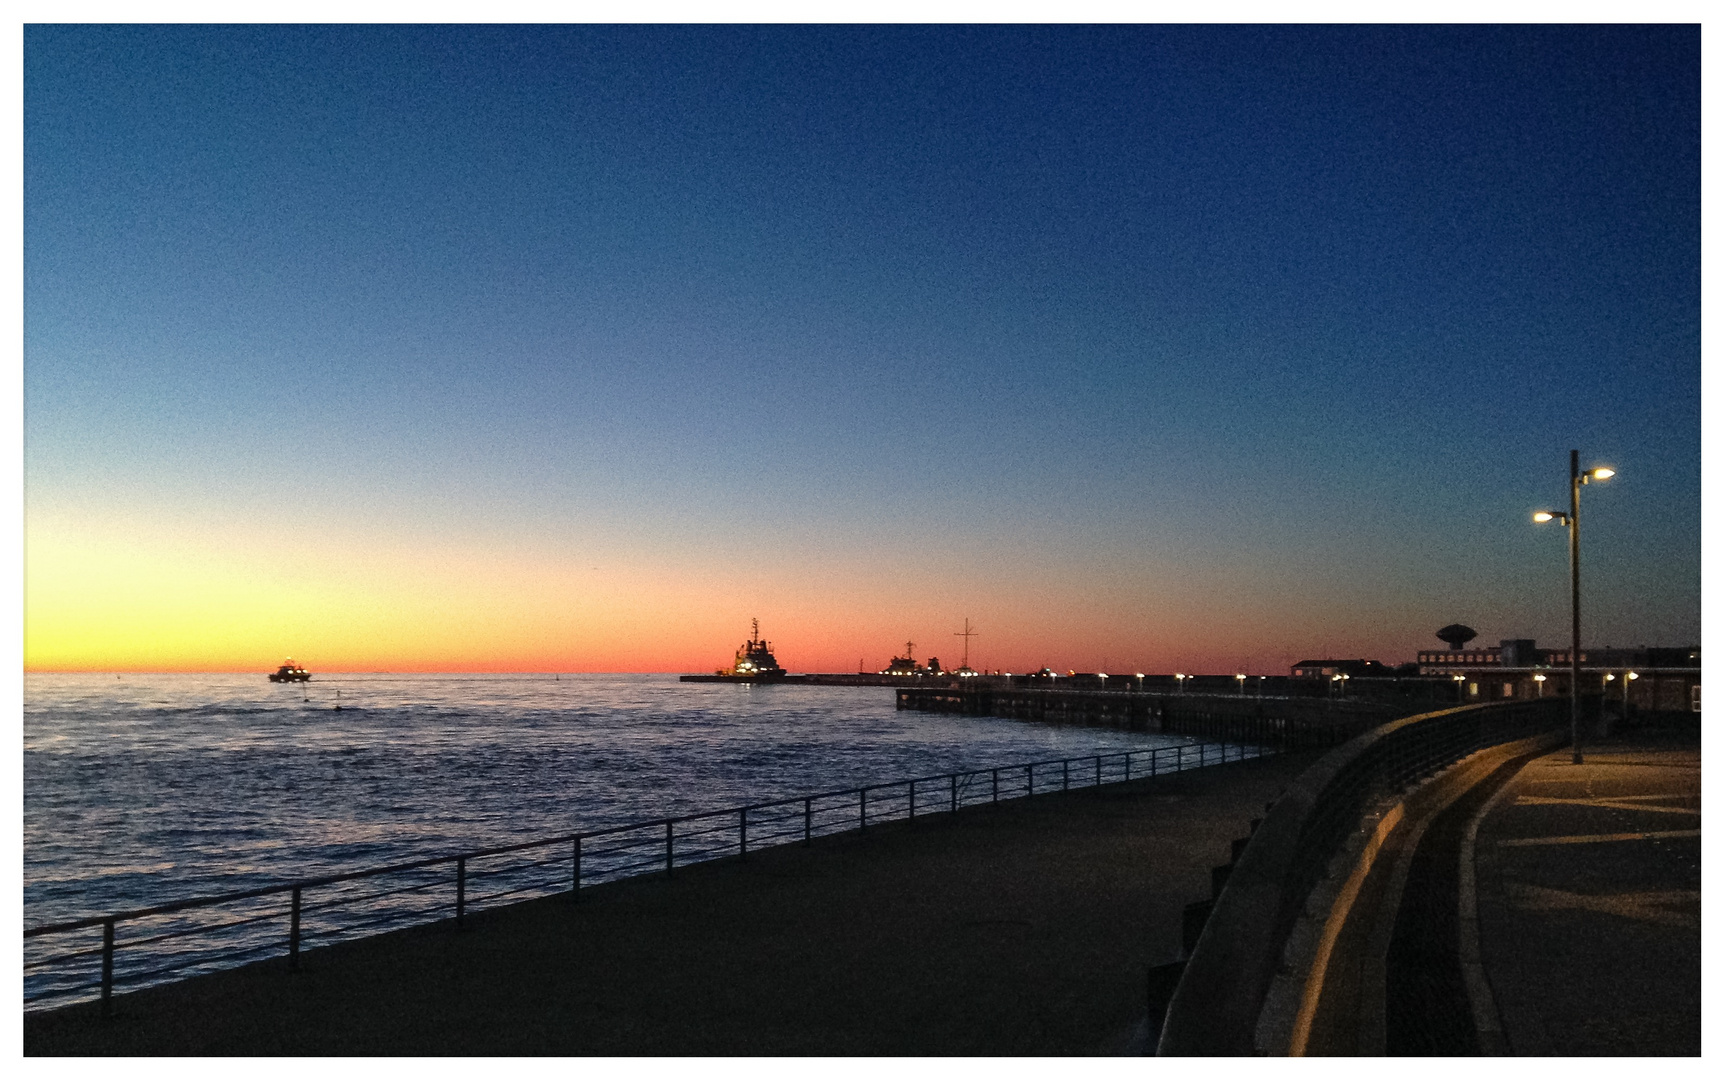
(1632, 675)
(1600, 473)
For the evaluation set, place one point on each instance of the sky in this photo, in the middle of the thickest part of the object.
(1154, 348)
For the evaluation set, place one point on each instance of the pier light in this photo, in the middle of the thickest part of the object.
(1539, 679)
(1241, 678)
(1459, 679)
(1571, 521)
(1179, 680)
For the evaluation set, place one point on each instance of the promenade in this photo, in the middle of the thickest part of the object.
(1551, 909)
(1026, 929)
(1588, 887)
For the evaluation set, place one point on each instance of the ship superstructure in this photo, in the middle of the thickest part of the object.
(755, 660)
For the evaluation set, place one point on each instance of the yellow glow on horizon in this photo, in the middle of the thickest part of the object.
(150, 600)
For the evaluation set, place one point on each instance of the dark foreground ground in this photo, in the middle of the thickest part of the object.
(1589, 900)
(1023, 930)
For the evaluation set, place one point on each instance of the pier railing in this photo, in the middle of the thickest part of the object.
(89, 958)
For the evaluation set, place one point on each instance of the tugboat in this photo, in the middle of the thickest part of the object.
(754, 660)
(754, 663)
(290, 672)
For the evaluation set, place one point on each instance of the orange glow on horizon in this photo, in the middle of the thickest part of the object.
(151, 597)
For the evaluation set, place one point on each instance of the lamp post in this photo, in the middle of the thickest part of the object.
(1571, 520)
(1241, 679)
(1460, 698)
(1179, 681)
(1539, 679)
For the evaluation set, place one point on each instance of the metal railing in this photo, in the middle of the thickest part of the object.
(83, 959)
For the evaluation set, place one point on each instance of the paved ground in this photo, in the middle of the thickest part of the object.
(1026, 930)
(1586, 886)
(1589, 900)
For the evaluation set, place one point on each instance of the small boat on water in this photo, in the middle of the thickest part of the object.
(290, 672)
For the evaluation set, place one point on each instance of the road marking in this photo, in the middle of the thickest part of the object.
(1614, 802)
(1599, 838)
(1652, 907)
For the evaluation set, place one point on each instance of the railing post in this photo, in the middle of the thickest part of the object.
(575, 893)
(996, 787)
(864, 794)
(107, 967)
(1128, 764)
(912, 800)
(293, 933)
(1098, 770)
(742, 833)
(1066, 775)
(1030, 779)
(669, 840)
(807, 821)
(460, 892)
(954, 793)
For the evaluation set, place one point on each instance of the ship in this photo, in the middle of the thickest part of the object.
(754, 663)
(754, 660)
(290, 672)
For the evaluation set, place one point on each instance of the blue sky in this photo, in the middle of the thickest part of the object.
(1194, 345)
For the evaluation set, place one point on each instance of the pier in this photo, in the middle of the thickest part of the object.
(1284, 721)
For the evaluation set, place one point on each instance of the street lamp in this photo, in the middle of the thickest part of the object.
(1459, 679)
(1241, 679)
(1540, 680)
(1571, 521)
(1179, 681)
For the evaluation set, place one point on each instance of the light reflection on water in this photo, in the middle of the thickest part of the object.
(146, 789)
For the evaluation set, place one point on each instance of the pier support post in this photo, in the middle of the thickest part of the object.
(107, 967)
(293, 933)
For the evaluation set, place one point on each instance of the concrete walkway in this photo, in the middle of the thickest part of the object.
(1023, 930)
(1588, 886)
(1549, 909)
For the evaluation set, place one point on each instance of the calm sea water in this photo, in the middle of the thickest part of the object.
(144, 789)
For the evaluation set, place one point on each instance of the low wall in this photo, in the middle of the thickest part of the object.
(1216, 1008)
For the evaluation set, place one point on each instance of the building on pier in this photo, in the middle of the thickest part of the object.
(1630, 681)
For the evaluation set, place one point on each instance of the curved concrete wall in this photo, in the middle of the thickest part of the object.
(1216, 1006)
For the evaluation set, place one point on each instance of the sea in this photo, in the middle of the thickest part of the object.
(145, 789)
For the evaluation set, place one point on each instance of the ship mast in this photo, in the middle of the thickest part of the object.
(966, 635)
